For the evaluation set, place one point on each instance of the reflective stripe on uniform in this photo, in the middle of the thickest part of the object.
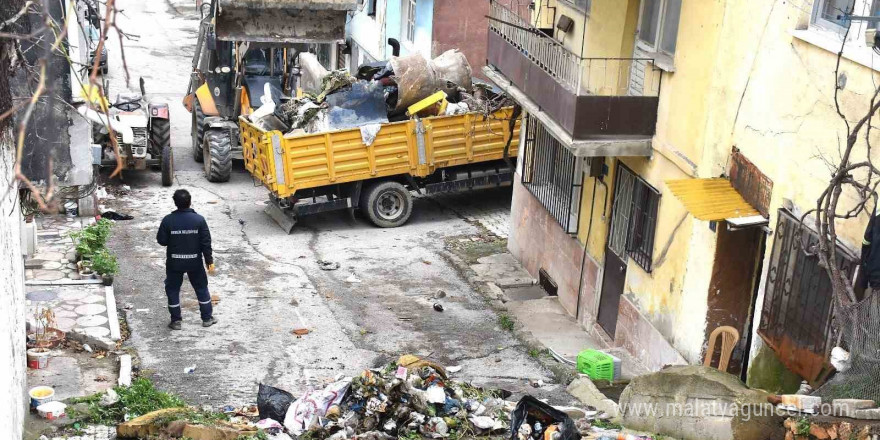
(175, 305)
(184, 256)
(206, 302)
(866, 243)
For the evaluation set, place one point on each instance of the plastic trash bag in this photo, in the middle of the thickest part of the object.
(314, 404)
(530, 410)
(272, 403)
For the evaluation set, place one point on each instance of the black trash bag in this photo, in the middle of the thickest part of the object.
(530, 410)
(272, 403)
(112, 215)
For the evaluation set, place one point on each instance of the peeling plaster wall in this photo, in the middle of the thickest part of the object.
(12, 312)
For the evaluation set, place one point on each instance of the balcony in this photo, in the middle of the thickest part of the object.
(595, 106)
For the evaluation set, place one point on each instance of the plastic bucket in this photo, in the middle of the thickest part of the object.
(40, 395)
(37, 360)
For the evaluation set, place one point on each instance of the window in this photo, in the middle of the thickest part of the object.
(553, 175)
(583, 5)
(409, 20)
(634, 218)
(370, 7)
(659, 25)
(828, 14)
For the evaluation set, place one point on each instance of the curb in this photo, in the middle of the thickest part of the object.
(495, 297)
(112, 315)
(62, 282)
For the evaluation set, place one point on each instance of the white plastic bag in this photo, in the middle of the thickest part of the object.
(313, 404)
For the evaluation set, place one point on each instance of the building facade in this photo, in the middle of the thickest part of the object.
(426, 27)
(670, 147)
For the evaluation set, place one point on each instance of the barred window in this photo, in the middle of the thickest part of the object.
(553, 175)
(634, 218)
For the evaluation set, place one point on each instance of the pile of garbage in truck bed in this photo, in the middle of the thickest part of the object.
(381, 93)
(413, 398)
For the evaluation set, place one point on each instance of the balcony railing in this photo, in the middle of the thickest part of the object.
(582, 76)
(548, 54)
(588, 97)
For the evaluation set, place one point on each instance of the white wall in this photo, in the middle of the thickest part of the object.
(12, 312)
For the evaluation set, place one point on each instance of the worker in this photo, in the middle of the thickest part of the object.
(186, 236)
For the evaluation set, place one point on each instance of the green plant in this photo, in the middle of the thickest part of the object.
(104, 263)
(91, 238)
(535, 353)
(606, 424)
(138, 399)
(803, 426)
(506, 322)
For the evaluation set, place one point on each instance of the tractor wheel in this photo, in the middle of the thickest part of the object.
(387, 204)
(167, 166)
(217, 152)
(198, 130)
(160, 133)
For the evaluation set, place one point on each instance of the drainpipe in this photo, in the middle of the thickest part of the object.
(395, 46)
(577, 311)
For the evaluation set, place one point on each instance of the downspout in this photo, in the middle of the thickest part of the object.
(395, 46)
(577, 311)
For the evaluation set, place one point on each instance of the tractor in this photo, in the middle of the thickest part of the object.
(246, 55)
(142, 130)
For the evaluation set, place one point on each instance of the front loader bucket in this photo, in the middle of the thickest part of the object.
(283, 21)
(283, 217)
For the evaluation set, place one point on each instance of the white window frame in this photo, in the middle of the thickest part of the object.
(581, 5)
(408, 19)
(663, 59)
(858, 28)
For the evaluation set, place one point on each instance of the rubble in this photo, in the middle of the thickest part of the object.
(378, 95)
(411, 397)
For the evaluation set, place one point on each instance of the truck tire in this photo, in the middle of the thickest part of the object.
(217, 153)
(387, 204)
(167, 166)
(198, 131)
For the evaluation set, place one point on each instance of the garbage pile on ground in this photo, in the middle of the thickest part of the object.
(380, 93)
(413, 398)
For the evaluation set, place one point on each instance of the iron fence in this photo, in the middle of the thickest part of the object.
(553, 175)
(633, 218)
(797, 312)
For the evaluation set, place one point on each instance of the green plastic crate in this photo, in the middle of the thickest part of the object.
(596, 364)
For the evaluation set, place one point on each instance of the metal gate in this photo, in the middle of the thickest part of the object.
(796, 317)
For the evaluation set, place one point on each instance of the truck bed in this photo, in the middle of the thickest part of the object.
(418, 147)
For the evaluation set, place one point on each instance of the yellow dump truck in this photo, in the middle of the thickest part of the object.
(335, 170)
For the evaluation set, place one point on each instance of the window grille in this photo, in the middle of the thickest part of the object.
(633, 218)
(553, 175)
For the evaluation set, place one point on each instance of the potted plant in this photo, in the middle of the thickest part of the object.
(104, 264)
(42, 338)
(91, 239)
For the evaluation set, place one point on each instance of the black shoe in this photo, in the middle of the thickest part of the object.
(175, 325)
(209, 322)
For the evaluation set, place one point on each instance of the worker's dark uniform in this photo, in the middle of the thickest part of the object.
(871, 255)
(187, 238)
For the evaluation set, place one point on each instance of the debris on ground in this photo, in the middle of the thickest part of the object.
(328, 265)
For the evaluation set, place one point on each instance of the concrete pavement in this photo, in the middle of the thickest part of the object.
(376, 306)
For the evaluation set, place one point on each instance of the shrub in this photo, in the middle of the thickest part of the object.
(104, 263)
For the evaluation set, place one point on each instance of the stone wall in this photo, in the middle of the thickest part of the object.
(12, 311)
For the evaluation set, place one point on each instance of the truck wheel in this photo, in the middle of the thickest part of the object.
(217, 152)
(167, 166)
(387, 204)
(198, 130)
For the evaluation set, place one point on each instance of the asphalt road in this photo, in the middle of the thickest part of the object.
(375, 307)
